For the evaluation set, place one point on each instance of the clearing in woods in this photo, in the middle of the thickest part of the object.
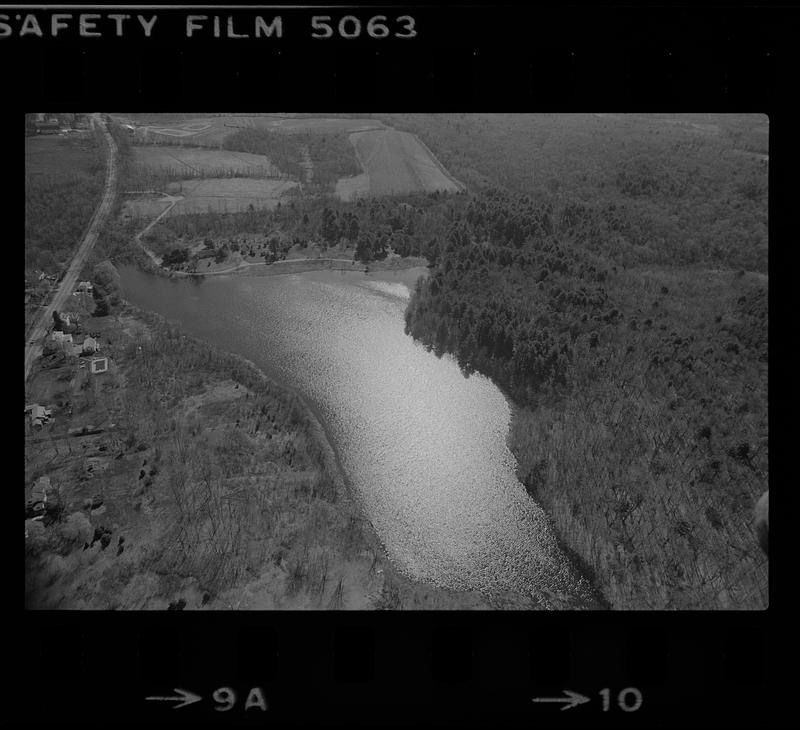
(182, 147)
(192, 161)
(211, 131)
(225, 195)
(394, 163)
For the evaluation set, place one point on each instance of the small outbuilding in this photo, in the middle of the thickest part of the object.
(98, 365)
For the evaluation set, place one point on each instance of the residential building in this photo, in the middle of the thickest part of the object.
(39, 415)
(58, 336)
(90, 345)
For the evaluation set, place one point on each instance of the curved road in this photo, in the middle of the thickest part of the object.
(33, 344)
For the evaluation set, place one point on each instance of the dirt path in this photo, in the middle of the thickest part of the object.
(33, 346)
(173, 199)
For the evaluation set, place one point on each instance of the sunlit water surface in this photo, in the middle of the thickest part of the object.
(424, 448)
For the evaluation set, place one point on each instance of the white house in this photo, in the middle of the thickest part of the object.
(90, 345)
(61, 337)
(39, 415)
(40, 489)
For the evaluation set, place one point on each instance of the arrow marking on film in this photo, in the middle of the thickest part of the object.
(185, 697)
(573, 700)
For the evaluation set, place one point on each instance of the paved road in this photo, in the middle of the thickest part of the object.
(33, 344)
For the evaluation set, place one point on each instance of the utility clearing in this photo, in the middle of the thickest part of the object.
(394, 163)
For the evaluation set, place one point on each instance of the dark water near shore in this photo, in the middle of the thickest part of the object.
(423, 447)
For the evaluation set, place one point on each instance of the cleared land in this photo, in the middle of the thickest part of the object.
(145, 207)
(226, 195)
(394, 163)
(210, 131)
(189, 161)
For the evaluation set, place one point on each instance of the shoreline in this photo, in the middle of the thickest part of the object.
(392, 573)
(397, 590)
(581, 568)
(286, 266)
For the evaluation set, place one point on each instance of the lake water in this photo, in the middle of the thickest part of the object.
(423, 447)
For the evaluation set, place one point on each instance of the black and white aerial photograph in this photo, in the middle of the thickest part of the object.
(398, 361)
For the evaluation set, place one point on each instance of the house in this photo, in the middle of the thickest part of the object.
(40, 489)
(58, 336)
(42, 492)
(98, 365)
(39, 415)
(62, 341)
(84, 287)
(89, 345)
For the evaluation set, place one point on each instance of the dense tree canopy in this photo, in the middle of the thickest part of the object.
(60, 202)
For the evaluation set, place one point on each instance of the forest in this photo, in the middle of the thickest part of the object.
(639, 382)
(609, 274)
(63, 182)
(687, 189)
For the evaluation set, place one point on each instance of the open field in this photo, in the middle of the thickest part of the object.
(146, 207)
(319, 125)
(394, 162)
(210, 131)
(189, 162)
(226, 195)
